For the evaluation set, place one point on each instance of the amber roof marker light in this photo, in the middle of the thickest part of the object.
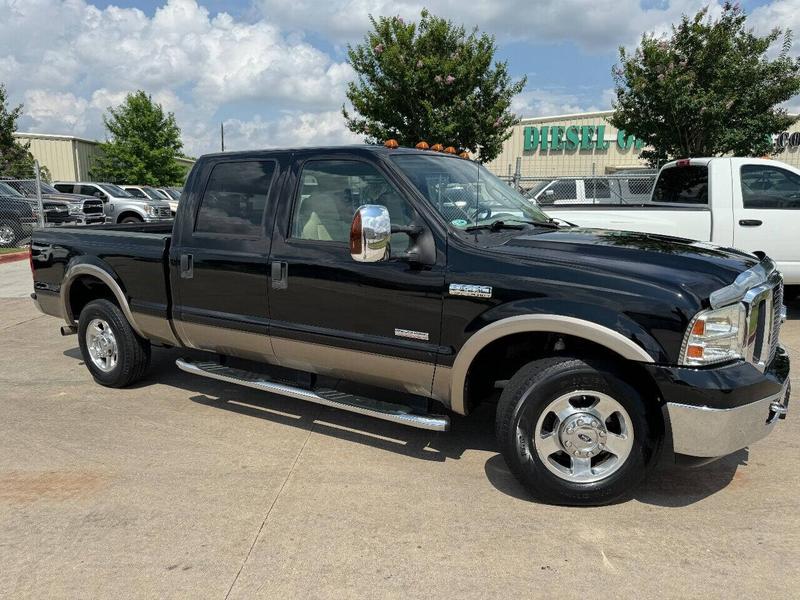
(423, 145)
(437, 148)
(391, 144)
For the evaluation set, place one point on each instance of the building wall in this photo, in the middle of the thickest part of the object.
(588, 155)
(68, 158)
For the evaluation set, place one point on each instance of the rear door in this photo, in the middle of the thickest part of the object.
(218, 261)
(767, 213)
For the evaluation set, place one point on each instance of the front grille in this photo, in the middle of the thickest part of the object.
(164, 212)
(777, 306)
(92, 207)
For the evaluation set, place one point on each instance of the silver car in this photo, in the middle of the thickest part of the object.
(120, 206)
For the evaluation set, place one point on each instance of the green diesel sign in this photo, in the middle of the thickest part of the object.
(574, 137)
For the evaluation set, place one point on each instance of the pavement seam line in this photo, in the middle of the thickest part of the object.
(22, 322)
(271, 506)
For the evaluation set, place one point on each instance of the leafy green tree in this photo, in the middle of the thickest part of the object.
(144, 142)
(16, 159)
(709, 89)
(430, 81)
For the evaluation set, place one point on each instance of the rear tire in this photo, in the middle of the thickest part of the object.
(573, 432)
(114, 354)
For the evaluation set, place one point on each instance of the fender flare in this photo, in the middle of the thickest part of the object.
(76, 270)
(599, 334)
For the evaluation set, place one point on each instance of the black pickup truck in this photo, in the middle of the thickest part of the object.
(404, 284)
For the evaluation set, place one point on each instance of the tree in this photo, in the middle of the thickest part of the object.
(708, 89)
(430, 81)
(16, 159)
(143, 146)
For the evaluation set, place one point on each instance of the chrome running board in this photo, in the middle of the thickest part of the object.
(396, 413)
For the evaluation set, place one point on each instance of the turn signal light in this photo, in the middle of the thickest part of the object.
(699, 327)
(694, 352)
(392, 144)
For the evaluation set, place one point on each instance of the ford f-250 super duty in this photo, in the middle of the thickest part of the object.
(397, 282)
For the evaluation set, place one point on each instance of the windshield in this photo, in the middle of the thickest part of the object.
(466, 193)
(7, 190)
(173, 193)
(152, 193)
(115, 190)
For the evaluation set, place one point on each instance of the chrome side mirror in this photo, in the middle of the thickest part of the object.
(370, 234)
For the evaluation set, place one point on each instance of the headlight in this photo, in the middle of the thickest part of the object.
(151, 210)
(715, 336)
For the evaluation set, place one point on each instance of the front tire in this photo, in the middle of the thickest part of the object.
(574, 432)
(131, 219)
(114, 354)
(8, 234)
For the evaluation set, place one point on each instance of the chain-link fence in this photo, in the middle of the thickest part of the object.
(20, 213)
(27, 203)
(621, 188)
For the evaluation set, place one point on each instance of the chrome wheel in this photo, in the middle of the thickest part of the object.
(102, 345)
(583, 436)
(6, 234)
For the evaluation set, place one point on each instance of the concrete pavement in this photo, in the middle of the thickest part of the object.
(185, 487)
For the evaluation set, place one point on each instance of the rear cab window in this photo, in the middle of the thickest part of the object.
(682, 185)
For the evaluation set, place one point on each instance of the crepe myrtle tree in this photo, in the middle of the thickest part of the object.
(710, 88)
(430, 81)
(143, 145)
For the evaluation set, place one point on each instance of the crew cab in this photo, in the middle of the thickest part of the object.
(120, 206)
(407, 284)
(17, 218)
(748, 203)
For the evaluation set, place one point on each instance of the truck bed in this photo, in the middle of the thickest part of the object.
(134, 255)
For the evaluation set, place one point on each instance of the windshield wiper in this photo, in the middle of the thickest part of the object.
(494, 226)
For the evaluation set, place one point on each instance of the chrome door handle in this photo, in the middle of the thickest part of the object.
(187, 266)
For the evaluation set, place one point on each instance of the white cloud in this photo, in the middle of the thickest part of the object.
(784, 14)
(290, 130)
(600, 24)
(68, 61)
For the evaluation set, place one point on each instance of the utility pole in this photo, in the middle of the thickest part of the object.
(222, 135)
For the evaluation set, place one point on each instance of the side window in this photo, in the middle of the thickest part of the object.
(682, 185)
(765, 186)
(563, 191)
(330, 193)
(67, 188)
(135, 192)
(235, 198)
(88, 190)
(598, 189)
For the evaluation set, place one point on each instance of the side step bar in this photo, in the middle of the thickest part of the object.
(396, 413)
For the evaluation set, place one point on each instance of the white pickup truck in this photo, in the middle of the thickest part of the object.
(747, 203)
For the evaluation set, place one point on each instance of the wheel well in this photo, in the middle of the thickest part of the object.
(83, 290)
(502, 358)
(129, 214)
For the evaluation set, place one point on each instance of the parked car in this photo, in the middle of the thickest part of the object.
(173, 196)
(620, 188)
(119, 205)
(55, 212)
(17, 218)
(748, 203)
(84, 210)
(367, 276)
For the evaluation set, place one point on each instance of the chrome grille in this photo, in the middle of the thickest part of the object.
(777, 319)
(93, 207)
(164, 212)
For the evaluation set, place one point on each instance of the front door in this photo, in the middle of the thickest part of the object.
(767, 215)
(375, 323)
(219, 259)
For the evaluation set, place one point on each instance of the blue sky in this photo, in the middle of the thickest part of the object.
(275, 70)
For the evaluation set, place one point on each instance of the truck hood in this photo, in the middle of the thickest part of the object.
(695, 268)
(64, 197)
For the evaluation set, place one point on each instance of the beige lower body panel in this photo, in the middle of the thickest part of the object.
(379, 370)
(229, 342)
(155, 328)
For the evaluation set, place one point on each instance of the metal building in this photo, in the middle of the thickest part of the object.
(68, 158)
(586, 144)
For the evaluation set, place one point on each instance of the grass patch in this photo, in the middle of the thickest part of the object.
(10, 250)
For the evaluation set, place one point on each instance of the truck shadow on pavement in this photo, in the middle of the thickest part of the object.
(667, 486)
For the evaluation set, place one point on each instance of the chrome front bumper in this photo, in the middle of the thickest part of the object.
(711, 432)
